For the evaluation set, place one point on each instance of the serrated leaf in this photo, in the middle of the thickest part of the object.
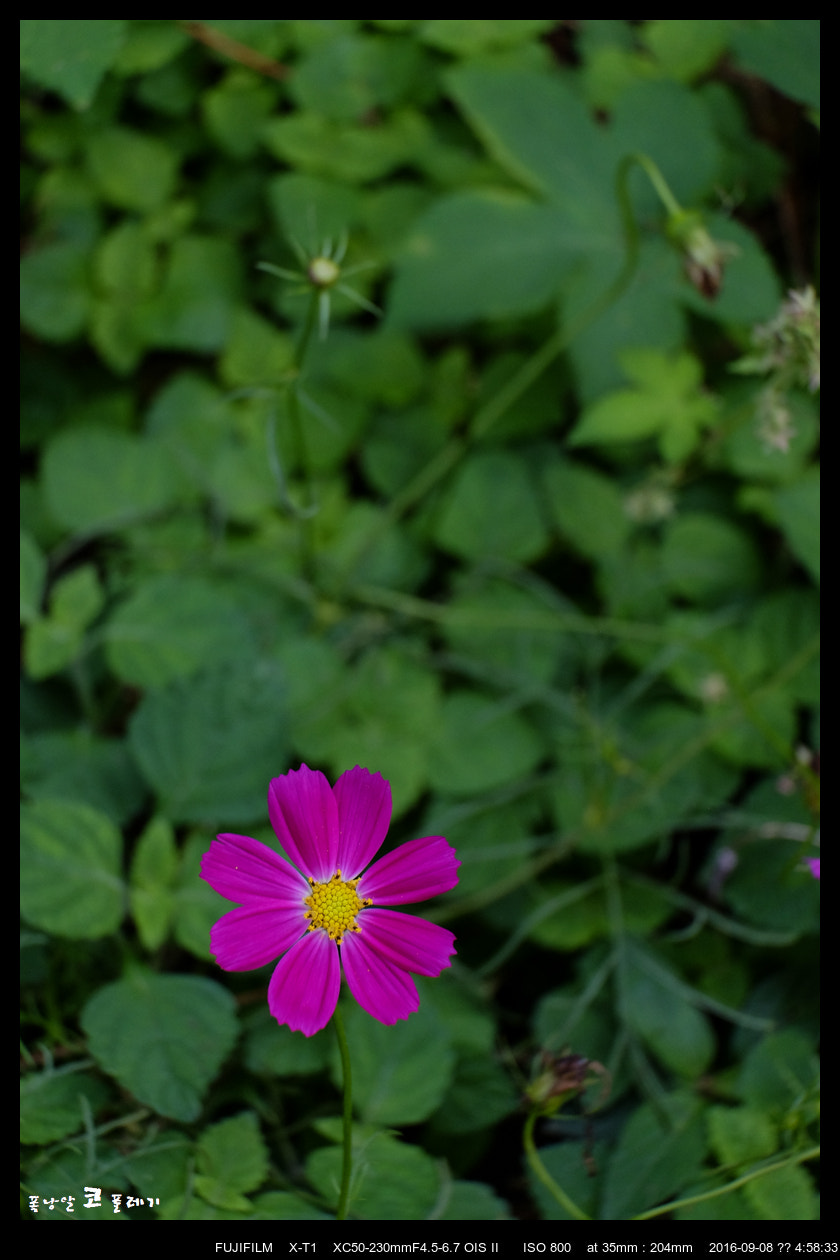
(209, 745)
(52, 1104)
(392, 1181)
(739, 1135)
(97, 479)
(172, 626)
(164, 1038)
(70, 869)
(660, 1150)
(74, 766)
(232, 1160)
(153, 869)
(783, 1194)
(400, 1073)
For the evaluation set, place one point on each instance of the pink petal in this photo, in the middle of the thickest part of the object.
(364, 816)
(240, 868)
(416, 870)
(385, 992)
(304, 815)
(256, 934)
(409, 943)
(304, 988)
(814, 864)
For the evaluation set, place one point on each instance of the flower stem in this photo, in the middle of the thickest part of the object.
(799, 1157)
(539, 1169)
(347, 1161)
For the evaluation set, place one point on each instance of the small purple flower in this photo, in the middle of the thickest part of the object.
(814, 864)
(325, 910)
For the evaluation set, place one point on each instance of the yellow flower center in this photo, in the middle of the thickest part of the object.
(334, 905)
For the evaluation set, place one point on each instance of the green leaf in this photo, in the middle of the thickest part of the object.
(785, 51)
(76, 766)
(49, 647)
(770, 886)
(100, 479)
(673, 127)
(33, 572)
(350, 77)
(350, 152)
(195, 306)
(784, 1194)
(209, 745)
(660, 1151)
(686, 47)
(70, 859)
(492, 510)
(400, 1073)
(77, 598)
(197, 906)
(541, 132)
(473, 1201)
(779, 1072)
(231, 1161)
(52, 1103)
(55, 297)
(235, 112)
(798, 510)
(467, 36)
(154, 866)
(171, 627)
(666, 402)
(586, 507)
(384, 716)
(489, 624)
(480, 745)
(311, 210)
(256, 354)
(277, 1205)
(571, 1165)
(480, 1096)
(70, 55)
(392, 1181)
(655, 1006)
(442, 281)
(133, 171)
(739, 1135)
(707, 558)
(163, 1038)
(272, 1049)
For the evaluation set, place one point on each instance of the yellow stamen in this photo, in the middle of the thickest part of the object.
(334, 905)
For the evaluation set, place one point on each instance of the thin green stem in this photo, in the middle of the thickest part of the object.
(798, 1157)
(539, 1169)
(347, 1160)
(655, 176)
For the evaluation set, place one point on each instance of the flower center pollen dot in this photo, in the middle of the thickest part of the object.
(334, 905)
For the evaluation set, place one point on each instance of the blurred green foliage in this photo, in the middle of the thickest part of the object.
(524, 544)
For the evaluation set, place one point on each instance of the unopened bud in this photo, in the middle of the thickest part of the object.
(703, 257)
(323, 272)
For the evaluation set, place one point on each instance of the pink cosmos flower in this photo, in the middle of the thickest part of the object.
(324, 910)
(814, 864)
